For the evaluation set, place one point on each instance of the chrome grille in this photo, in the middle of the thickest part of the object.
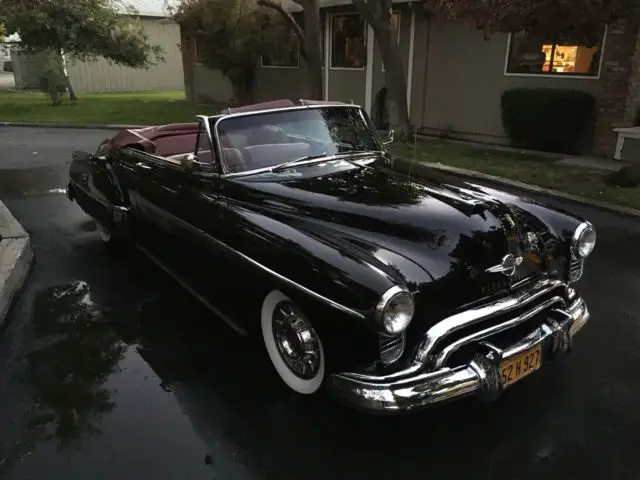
(391, 347)
(575, 270)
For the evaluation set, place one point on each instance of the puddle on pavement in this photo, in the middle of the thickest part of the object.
(93, 390)
(26, 182)
(76, 351)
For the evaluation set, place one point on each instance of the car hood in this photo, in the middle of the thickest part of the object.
(450, 230)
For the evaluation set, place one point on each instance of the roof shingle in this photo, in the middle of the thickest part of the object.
(147, 8)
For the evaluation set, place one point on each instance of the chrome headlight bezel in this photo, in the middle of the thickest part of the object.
(583, 230)
(388, 298)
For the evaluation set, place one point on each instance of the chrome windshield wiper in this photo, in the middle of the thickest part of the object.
(285, 165)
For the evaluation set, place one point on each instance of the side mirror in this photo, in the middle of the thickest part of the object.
(390, 137)
(188, 162)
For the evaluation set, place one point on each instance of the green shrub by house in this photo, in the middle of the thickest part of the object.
(553, 120)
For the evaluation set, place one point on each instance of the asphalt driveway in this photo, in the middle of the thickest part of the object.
(108, 370)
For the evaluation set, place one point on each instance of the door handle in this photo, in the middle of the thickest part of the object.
(143, 166)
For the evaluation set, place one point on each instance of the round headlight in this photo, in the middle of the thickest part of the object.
(584, 240)
(395, 310)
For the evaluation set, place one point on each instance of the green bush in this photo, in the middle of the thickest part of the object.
(7, 66)
(52, 83)
(553, 120)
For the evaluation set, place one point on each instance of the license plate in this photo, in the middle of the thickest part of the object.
(520, 366)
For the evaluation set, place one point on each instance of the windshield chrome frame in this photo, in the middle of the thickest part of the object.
(215, 137)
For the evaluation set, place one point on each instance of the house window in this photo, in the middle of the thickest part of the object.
(283, 49)
(395, 18)
(348, 48)
(530, 55)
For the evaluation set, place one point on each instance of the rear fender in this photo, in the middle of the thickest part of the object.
(95, 187)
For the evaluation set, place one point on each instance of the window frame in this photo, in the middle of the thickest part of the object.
(398, 33)
(555, 74)
(364, 36)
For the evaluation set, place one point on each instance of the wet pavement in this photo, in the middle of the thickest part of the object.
(108, 370)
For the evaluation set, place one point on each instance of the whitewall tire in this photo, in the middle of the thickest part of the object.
(293, 346)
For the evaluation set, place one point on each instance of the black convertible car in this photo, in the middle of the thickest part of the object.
(288, 220)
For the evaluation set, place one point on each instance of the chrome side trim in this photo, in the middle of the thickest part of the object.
(186, 286)
(464, 319)
(446, 353)
(117, 208)
(250, 260)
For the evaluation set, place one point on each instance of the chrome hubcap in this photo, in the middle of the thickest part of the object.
(297, 342)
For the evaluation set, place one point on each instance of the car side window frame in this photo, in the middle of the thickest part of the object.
(204, 134)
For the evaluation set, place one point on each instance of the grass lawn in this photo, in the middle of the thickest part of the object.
(136, 108)
(527, 168)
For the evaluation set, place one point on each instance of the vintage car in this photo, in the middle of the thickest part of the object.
(291, 221)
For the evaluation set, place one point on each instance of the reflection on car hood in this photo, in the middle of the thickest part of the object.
(449, 229)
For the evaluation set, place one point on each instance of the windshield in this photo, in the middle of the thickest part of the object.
(264, 140)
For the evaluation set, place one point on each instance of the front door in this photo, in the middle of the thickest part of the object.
(175, 204)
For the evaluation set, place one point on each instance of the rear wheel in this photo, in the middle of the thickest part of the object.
(294, 347)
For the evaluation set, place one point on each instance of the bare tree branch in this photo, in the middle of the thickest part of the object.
(290, 20)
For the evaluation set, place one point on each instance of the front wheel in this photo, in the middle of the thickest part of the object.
(294, 347)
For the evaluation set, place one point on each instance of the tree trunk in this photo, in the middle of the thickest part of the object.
(377, 13)
(395, 78)
(313, 44)
(244, 88)
(67, 80)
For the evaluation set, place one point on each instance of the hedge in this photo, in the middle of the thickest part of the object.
(547, 119)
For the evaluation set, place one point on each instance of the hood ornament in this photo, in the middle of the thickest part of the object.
(507, 266)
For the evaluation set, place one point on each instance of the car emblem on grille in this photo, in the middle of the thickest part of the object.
(507, 266)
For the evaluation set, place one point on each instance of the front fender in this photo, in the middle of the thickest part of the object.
(310, 264)
(544, 218)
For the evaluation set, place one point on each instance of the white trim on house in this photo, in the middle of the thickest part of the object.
(365, 25)
(557, 75)
(327, 55)
(412, 39)
(368, 89)
(398, 32)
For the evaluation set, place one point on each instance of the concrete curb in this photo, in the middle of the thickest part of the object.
(71, 125)
(415, 165)
(16, 258)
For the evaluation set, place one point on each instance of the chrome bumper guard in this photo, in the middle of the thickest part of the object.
(415, 388)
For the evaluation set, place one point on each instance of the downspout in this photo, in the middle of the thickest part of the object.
(426, 73)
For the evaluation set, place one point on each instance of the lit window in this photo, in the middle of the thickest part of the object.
(348, 48)
(283, 49)
(528, 55)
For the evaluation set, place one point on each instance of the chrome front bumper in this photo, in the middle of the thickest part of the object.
(418, 386)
